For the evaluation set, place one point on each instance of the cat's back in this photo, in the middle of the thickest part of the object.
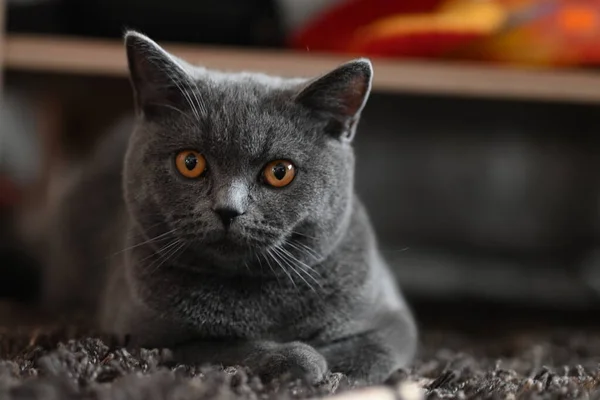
(94, 193)
(85, 224)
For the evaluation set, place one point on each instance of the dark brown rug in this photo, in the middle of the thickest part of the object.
(62, 363)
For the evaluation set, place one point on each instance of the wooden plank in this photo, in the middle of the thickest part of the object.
(107, 58)
(3, 6)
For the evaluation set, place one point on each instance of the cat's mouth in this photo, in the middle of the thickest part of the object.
(239, 244)
(228, 245)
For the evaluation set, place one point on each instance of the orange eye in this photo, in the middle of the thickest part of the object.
(279, 173)
(190, 163)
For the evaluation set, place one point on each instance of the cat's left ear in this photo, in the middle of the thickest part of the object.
(160, 81)
(340, 96)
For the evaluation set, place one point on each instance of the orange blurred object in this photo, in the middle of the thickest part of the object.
(540, 32)
(333, 30)
(578, 20)
(456, 23)
(548, 33)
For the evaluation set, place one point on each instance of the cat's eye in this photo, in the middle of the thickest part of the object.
(190, 163)
(279, 173)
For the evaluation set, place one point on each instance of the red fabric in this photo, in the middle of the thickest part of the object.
(416, 44)
(333, 29)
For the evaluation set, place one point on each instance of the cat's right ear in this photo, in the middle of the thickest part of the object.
(340, 96)
(160, 81)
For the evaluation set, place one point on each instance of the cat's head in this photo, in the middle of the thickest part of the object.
(240, 169)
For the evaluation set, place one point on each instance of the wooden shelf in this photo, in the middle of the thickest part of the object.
(3, 6)
(107, 58)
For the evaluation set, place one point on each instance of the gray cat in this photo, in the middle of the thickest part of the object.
(231, 233)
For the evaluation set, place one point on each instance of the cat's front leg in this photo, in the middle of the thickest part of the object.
(370, 357)
(267, 359)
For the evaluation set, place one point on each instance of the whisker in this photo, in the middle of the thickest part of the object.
(201, 105)
(167, 257)
(161, 250)
(269, 264)
(285, 258)
(304, 249)
(170, 107)
(145, 242)
(273, 254)
(301, 265)
(257, 255)
(398, 251)
(303, 234)
(138, 232)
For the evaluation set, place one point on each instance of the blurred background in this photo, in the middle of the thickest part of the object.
(478, 153)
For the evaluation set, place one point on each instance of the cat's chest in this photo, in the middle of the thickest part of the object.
(252, 310)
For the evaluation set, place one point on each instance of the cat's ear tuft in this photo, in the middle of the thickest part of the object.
(340, 95)
(156, 76)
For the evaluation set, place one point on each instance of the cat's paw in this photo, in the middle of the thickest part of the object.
(298, 360)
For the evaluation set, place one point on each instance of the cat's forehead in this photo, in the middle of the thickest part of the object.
(244, 78)
(244, 92)
(247, 115)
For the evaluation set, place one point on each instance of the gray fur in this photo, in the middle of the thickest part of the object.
(296, 284)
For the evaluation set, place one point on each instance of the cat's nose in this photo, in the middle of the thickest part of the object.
(227, 215)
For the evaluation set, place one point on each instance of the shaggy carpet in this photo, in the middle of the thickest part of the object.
(55, 362)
